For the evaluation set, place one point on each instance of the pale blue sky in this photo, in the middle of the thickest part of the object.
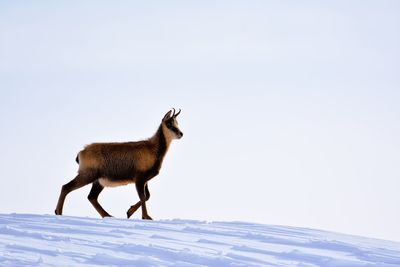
(290, 110)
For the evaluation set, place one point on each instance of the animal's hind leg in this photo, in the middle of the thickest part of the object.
(79, 181)
(93, 195)
(135, 207)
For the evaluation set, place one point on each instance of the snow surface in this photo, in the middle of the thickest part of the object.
(47, 240)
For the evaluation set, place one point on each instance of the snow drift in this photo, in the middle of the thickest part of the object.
(36, 240)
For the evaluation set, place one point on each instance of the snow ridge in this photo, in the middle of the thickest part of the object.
(46, 240)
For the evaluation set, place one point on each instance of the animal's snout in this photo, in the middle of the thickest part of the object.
(180, 135)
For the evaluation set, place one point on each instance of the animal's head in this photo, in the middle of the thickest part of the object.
(170, 124)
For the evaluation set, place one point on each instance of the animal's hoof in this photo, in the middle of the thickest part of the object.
(147, 217)
(57, 213)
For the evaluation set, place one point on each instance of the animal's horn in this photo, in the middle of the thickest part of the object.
(175, 115)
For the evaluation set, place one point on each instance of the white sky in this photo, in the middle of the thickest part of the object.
(290, 110)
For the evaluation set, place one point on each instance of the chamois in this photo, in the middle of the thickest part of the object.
(115, 164)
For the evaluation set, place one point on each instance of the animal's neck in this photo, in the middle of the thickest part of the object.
(161, 142)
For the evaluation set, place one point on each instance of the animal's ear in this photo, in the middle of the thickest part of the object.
(167, 116)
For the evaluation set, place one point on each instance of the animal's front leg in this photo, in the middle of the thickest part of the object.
(134, 208)
(141, 188)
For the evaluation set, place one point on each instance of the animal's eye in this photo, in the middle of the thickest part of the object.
(169, 124)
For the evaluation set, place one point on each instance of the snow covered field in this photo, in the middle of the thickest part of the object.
(47, 240)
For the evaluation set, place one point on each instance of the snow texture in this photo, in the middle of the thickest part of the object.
(46, 240)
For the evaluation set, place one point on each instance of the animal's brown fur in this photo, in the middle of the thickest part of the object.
(114, 164)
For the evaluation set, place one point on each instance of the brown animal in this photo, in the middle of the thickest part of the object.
(115, 164)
